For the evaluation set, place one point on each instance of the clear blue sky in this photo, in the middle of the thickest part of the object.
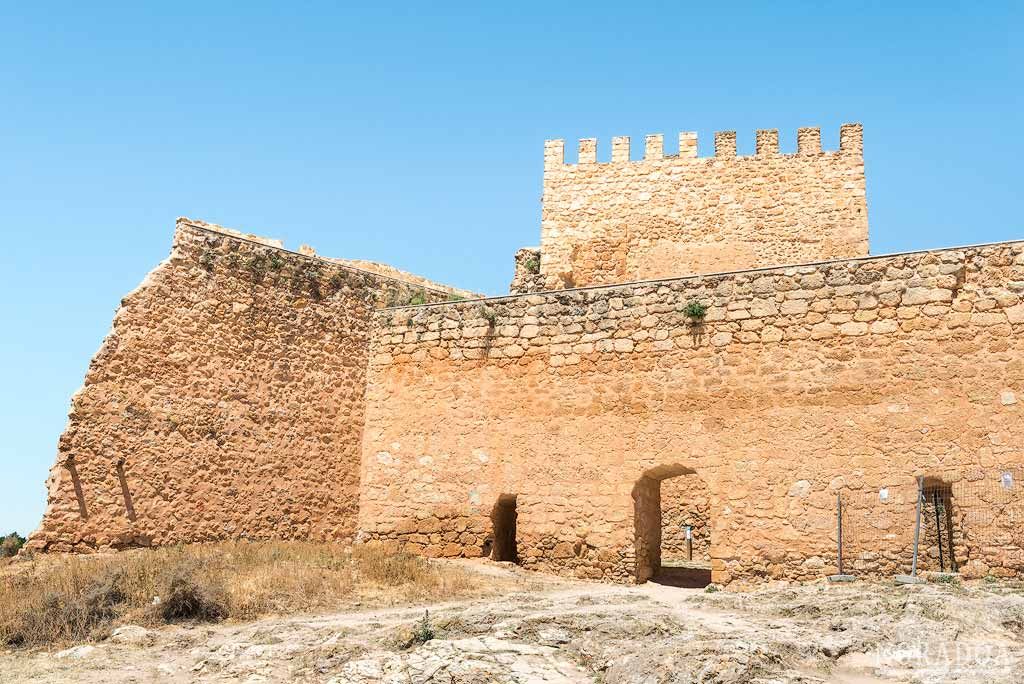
(413, 135)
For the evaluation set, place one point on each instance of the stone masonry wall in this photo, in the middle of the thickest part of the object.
(669, 216)
(684, 501)
(526, 277)
(799, 384)
(226, 402)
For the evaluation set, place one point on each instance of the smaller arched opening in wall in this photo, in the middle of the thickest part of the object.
(672, 517)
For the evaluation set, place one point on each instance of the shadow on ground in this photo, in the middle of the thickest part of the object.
(688, 578)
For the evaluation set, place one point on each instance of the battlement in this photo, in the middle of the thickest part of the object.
(808, 141)
(669, 215)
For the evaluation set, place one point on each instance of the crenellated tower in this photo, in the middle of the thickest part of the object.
(680, 214)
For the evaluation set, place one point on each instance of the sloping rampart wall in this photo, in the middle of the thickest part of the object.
(226, 401)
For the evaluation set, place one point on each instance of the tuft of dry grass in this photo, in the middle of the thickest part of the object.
(48, 600)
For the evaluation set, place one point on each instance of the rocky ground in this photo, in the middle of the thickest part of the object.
(551, 630)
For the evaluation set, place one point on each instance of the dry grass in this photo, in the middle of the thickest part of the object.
(62, 599)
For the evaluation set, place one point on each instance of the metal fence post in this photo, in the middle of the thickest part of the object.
(839, 530)
(912, 578)
(841, 575)
(949, 535)
(917, 523)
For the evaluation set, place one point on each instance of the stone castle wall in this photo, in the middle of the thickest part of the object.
(669, 216)
(226, 402)
(526, 276)
(800, 384)
(685, 501)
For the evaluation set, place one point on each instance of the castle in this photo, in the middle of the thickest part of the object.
(700, 355)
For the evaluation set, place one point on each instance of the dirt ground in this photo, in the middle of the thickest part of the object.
(545, 629)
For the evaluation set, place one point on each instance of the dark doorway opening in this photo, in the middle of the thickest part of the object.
(503, 520)
(941, 535)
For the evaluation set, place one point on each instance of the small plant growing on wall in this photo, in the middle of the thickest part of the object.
(336, 282)
(695, 311)
(233, 260)
(312, 275)
(418, 298)
(206, 261)
(489, 315)
(453, 297)
(276, 262)
(257, 265)
(533, 265)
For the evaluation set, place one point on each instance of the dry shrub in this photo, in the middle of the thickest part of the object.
(11, 544)
(48, 600)
(189, 597)
(69, 606)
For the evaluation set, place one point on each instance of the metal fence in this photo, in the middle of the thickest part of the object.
(938, 522)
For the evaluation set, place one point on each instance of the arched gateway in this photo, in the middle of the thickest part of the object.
(675, 522)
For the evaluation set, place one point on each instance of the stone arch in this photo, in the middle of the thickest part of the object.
(647, 518)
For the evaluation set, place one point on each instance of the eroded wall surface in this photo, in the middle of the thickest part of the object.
(800, 384)
(668, 216)
(226, 401)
